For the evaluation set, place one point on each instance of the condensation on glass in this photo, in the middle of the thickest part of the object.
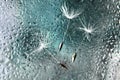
(59, 39)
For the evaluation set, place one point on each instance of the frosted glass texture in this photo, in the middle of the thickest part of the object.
(59, 39)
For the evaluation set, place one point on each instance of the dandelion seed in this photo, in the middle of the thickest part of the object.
(43, 43)
(69, 14)
(74, 57)
(88, 30)
(42, 46)
(63, 65)
(60, 46)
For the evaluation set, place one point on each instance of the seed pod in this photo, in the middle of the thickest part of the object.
(60, 46)
(74, 57)
(63, 65)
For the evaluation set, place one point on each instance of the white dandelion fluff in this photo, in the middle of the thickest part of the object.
(42, 46)
(89, 30)
(70, 14)
(44, 42)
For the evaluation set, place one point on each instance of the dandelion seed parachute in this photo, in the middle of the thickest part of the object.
(70, 14)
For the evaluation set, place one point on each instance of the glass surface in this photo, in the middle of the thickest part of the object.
(59, 39)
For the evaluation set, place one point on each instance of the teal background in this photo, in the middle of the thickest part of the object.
(25, 22)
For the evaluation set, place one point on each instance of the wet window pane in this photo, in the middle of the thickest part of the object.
(59, 39)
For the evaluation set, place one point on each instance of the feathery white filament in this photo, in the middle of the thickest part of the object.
(88, 30)
(69, 14)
